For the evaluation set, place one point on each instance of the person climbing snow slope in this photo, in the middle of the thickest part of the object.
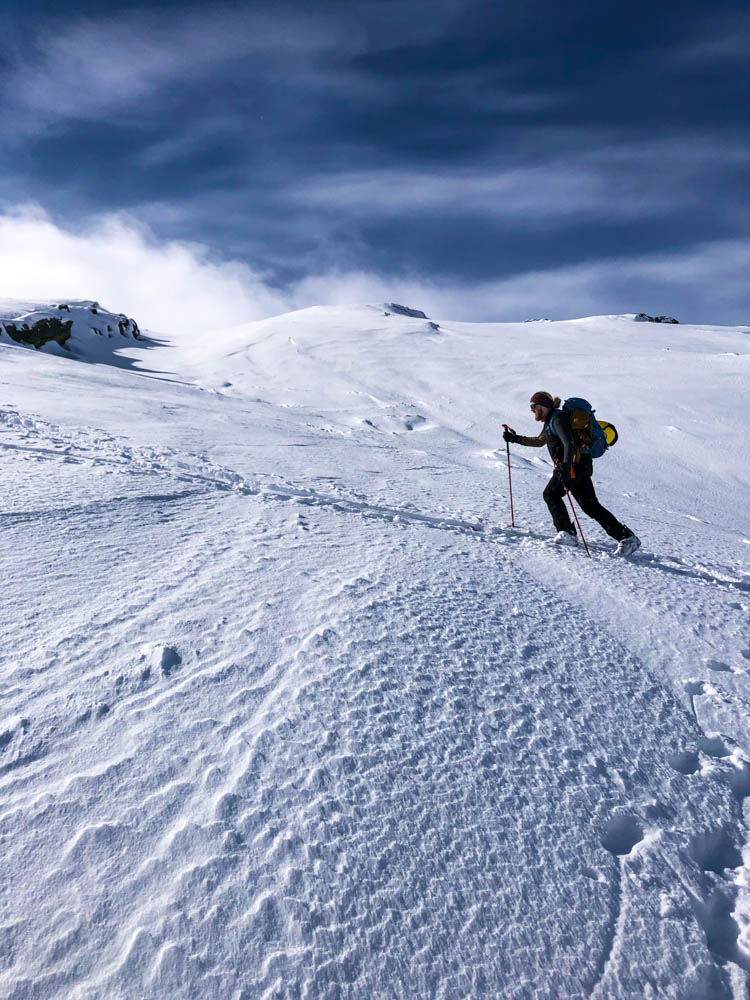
(573, 473)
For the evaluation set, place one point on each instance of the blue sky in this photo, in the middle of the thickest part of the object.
(499, 159)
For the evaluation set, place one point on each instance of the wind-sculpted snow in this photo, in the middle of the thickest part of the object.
(269, 733)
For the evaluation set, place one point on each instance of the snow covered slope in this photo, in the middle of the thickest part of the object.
(290, 710)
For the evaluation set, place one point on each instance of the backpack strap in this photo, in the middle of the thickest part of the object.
(561, 429)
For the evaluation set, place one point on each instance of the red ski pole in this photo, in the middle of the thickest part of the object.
(510, 482)
(578, 523)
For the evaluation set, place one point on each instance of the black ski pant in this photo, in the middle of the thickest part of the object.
(582, 489)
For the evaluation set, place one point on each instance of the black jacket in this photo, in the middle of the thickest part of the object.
(559, 443)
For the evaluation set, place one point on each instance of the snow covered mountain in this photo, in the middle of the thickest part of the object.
(291, 710)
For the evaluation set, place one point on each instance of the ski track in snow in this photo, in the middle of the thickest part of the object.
(366, 760)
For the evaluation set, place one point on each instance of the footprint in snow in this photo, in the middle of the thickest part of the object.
(410, 422)
(694, 688)
(686, 762)
(715, 850)
(622, 834)
(593, 874)
(11, 728)
(718, 666)
(165, 659)
(713, 746)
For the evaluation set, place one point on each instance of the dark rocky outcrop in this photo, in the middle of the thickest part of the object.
(645, 318)
(394, 307)
(42, 332)
(128, 327)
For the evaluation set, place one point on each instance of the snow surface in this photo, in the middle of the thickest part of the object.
(290, 710)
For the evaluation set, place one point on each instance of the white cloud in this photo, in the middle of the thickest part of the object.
(702, 284)
(166, 286)
(175, 287)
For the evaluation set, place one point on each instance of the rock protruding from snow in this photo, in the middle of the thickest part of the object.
(40, 332)
(75, 326)
(159, 658)
(394, 307)
(645, 318)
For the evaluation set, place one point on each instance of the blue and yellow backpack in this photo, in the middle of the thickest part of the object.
(590, 436)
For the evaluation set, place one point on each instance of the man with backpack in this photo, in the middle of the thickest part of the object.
(573, 470)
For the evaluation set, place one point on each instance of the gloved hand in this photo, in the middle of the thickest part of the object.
(510, 435)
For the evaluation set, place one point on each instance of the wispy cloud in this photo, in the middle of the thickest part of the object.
(719, 39)
(88, 68)
(603, 179)
(537, 194)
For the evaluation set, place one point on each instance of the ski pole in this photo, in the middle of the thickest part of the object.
(510, 482)
(579, 524)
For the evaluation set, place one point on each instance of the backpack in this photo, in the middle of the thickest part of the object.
(590, 436)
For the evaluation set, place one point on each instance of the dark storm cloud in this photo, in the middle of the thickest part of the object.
(472, 141)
